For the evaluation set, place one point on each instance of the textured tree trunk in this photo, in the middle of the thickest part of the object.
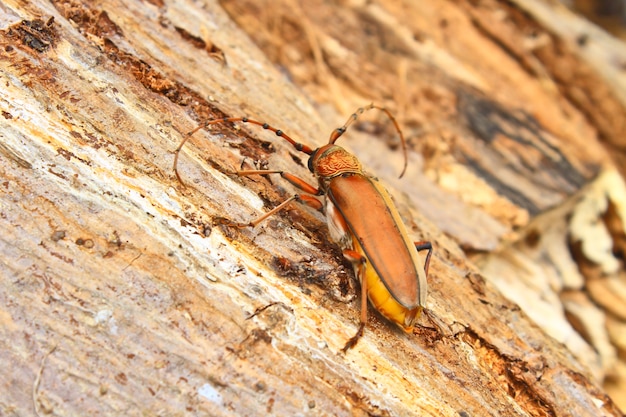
(122, 292)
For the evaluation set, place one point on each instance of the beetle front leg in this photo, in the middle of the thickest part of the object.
(294, 180)
(356, 258)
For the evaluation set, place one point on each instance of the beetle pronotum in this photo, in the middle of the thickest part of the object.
(361, 218)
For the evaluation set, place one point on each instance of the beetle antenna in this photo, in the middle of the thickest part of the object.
(336, 134)
(297, 145)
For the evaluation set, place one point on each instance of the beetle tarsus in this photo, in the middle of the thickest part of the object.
(354, 339)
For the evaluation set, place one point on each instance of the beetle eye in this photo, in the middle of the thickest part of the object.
(310, 162)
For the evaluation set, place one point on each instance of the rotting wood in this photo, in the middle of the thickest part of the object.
(151, 314)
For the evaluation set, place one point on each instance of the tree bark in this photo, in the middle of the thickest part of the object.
(124, 293)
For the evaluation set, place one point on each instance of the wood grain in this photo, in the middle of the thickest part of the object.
(122, 294)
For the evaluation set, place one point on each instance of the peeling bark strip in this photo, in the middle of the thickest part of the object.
(145, 302)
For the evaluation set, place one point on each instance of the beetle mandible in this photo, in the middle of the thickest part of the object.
(362, 219)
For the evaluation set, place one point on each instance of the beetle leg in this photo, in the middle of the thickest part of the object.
(424, 245)
(300, 183)
(311, 202)
(273, 211)
(308, 200)
(295, 181)
(356, 258)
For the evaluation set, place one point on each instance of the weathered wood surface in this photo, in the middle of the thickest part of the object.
(122, 295)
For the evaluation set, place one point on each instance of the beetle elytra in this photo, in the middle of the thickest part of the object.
(362, 219)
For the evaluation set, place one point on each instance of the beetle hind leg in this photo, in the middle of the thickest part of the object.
(354, 339)
(357, 259)
(425, 245)
(359, 333)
